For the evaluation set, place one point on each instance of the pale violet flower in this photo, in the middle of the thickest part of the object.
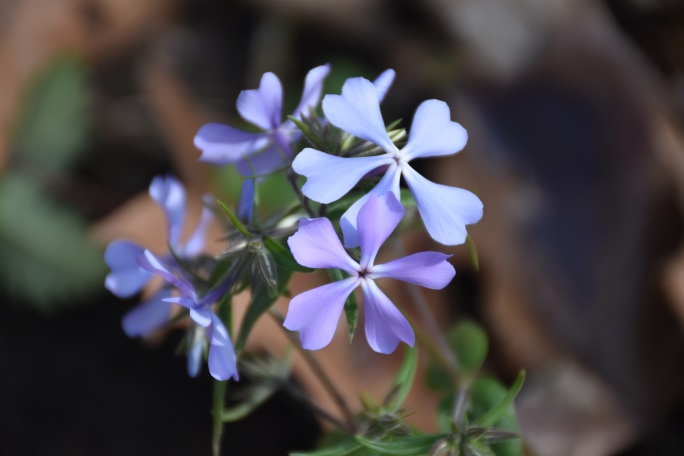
(445, 210)
(221, 359)
(270, 148)
(315, 313)
(128, 277)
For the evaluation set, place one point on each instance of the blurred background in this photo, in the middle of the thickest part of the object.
(575, 110)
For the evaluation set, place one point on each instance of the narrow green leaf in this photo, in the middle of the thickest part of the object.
(340, 449)
(262, 300)
(477, 449)
(493, 415)
(351, 305)
(234, 220)
(490, 435)
(257, 397)
(402, 446)
(472, 253)
(283, 257)
(403, 380)
(470, 344)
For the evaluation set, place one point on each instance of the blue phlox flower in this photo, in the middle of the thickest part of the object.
(445, 210)
(222, 361)
(269, 149)
(128, 277)
(315, 313)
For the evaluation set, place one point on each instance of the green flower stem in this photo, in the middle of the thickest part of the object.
(225, 313)
(292, 179)
(351, 422)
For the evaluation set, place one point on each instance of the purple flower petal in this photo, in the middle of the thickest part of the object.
(222, 144)
(445, 210)
(158, 266)
(357, 111)
(195, 244)
(272, 158)
(169, 193)
(148, 316)
(127, 277)
(202, 316)
(385, 325)
(330, 177)
(433, 133)
(222, 360)
(383, 83)
(376, 221)
(427, 269)
(196, 340)
(388, 184)
(315, 313)
(263, 106)
(316, 245)
(313, 88)
(245, 209)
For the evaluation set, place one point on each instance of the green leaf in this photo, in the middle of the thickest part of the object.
(258, 395)
(55, 119)
(477, 449)
(496, 412)
(340, 449)
(234, 220)
(402, 446)
(490, 435)
(283, 257)
(45, 255)
(403, 380)
(470, 344)
(262, 300)
(351, 305)
(472, 253)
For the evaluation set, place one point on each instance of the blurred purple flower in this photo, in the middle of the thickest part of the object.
(445, 210)
(315, 313)
(269, 149)
(222, 360)
(128, 277)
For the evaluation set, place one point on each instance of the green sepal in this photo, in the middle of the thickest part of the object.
(402, 446)
(340, 449)
(308, 133)
(472, 253)
(257, 397)
(234, 220)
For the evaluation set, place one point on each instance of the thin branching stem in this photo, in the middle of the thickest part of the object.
(352, 424)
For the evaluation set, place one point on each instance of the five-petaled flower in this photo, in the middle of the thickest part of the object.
(315, 313)
(445, 210)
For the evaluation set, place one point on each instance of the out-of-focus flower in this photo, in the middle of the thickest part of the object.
(315, 313)
(222, 361)
(445, 210)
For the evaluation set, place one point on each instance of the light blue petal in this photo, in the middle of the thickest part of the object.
(313, 89)
(126, 277)
(195, 244)
(357, 111)
(385, 325)
(263, 106)
(388, 184)
(427, 269)
(245, 209)
(148, 316)
(196, 341)
(202, 316)
(329, 177)
(169, 193)
(376, 221)
(223, 145)
(445, 210)
(222, 360)
(433, 133)
(162, 268)
(315, 313)
(316, 245)
(383, 83)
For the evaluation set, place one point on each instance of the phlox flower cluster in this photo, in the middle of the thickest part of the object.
(366, 224)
